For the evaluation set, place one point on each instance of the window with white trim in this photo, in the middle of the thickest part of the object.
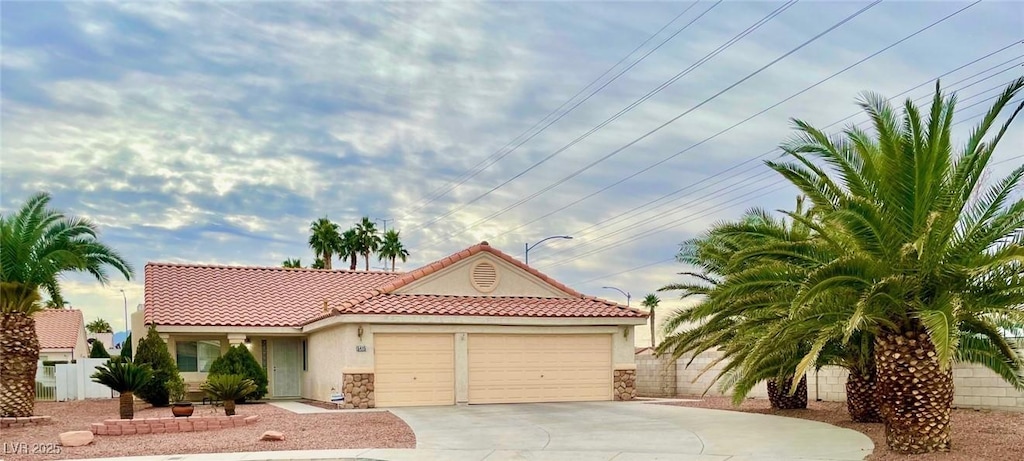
(195, 356)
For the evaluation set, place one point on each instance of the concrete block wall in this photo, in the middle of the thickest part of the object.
(976, 387)
(656, 376)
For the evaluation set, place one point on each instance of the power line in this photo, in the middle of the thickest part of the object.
(621, 112)
(594, 163)
(719, 173)
(719, 192)
(663, 261)
(498, 155)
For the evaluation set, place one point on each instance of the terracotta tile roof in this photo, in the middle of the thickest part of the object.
(58, 328)
(480, 247)
(248, 296)
(503, 306)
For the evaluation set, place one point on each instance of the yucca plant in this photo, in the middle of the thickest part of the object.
(932, 257)
(227, 389)
(124, 377)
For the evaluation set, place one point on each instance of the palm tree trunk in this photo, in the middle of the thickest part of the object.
(353, 262)
(19, 354)
(366, 259)
(778, 394)
(127, 407)
(393, 263)
(916, 392)
(327, 260)
(862, 397)
(651, 311)
(229, 407)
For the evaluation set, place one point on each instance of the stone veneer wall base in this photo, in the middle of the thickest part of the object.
(624, 385)
(358, 391)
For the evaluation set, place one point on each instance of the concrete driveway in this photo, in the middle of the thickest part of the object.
(621, 430)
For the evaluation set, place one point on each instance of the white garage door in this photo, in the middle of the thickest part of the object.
(539, 368)
(414, 369)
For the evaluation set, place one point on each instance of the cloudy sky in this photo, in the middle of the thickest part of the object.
(214, 132)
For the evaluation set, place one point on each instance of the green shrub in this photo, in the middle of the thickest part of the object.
(126, 347)
(98, 351)
(153, 352)
(239, 361)
(228, 389)
(177, 390)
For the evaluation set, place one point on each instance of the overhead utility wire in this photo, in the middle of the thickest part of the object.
(613, 153)
(748, 161)
(667, 213)
(619, 114)
(764, 154)
(498, 155)
(664, 227)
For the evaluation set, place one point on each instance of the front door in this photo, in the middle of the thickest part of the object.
(287, 356)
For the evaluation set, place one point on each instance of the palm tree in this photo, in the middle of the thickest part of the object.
(733, 315)
(99, 326)
(292, 263)
(324, 239)
(350, 248)
(52, 304)
(37, 246)
(318, 263)
(126, 378)
(228, 389)
(369, 240)
(391, 248)
(650, 302)
(932, 258)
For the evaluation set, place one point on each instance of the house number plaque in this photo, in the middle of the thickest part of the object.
(361, 348)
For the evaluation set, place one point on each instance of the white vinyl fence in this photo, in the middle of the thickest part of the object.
(71, 381)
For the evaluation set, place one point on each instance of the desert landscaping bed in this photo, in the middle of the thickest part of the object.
(302, 432)
(977, 435)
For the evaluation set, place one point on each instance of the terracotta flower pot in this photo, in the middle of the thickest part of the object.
(182, 409)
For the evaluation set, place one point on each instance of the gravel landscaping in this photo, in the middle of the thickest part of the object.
(977, 435)
(302, 432)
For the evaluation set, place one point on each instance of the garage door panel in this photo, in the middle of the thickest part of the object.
(539, 368)
(414, 369)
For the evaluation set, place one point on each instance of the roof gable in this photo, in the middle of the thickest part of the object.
(453, 276)
(59, 328)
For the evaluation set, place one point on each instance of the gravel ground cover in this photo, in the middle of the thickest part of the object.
(977, 435)
(302, 432)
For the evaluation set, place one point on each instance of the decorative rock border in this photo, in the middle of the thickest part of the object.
(358, 390)
(625, 384)
(24, 421)
(170, 424)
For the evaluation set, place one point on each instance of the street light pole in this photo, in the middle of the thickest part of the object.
(127, 327)
(529, 247)
(626, 293)
(385, 221)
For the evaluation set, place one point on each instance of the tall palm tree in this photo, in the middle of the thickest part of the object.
(933, 259)
(37, 246)
(650, 302)
(350, 248)
(391, 248)
(324, 239)
(292, 263)
(368, 238)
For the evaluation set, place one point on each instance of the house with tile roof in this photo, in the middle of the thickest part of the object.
(475, 327)
(61, 334)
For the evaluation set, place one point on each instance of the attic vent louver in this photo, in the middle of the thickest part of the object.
(484, 277)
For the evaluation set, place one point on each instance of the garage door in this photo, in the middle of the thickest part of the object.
(414, 369)
(539, 368)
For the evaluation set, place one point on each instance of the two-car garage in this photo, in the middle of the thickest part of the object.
(422, 368)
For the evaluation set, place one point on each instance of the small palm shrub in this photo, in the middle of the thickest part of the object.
(126, 378)
(228, 389)
(239, 361)
(98, 351)
(153, 352)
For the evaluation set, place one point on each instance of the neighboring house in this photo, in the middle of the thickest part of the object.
(476, 327)
(61, 334)
(106, 338)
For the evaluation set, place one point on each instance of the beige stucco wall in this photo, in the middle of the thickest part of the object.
(55, 355)
(455, 280)
(325, 360)
(81, 345)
